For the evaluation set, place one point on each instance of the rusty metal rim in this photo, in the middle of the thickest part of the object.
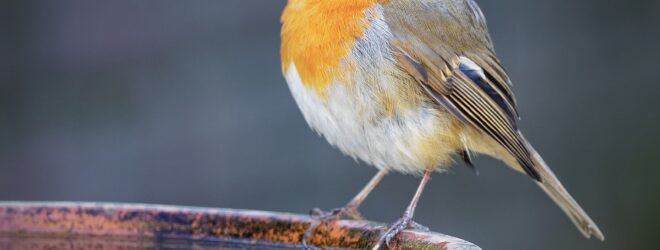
(143, 221)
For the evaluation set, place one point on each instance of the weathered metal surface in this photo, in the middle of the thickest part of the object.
(146, 226)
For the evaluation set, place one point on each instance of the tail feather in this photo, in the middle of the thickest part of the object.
(551, 185)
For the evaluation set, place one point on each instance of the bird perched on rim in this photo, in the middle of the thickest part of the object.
(405, 85)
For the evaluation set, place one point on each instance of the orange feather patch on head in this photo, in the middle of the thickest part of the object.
(318, 34)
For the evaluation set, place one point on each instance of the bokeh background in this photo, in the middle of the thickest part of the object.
(183, 102)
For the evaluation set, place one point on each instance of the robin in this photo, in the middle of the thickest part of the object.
(405, 86)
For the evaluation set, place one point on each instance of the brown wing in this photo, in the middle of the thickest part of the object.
(451, 57)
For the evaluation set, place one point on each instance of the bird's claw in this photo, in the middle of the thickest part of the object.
(394, 230)
(417, 226)
(316, 212)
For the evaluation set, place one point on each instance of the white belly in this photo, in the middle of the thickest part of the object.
(356, 125)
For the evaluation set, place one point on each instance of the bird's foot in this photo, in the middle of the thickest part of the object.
(343, 213)
(325, 218)
(395, 229)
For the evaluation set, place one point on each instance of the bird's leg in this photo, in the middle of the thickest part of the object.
(349, 211)
(406, 220)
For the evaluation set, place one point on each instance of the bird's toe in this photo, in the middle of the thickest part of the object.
(394, 230)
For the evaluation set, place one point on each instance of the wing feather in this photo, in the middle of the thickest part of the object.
(462, 75)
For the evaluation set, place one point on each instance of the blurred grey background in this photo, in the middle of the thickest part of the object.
(183, 102)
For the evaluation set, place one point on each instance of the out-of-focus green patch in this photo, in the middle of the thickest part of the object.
(640, 198)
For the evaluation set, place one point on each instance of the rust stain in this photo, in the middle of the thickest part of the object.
(146, 222)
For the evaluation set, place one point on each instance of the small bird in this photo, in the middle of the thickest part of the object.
(405, 86)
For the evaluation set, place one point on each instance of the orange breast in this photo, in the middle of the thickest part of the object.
(318, 34)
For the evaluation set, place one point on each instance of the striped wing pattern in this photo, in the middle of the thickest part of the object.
(474, 96)
(477, 98)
